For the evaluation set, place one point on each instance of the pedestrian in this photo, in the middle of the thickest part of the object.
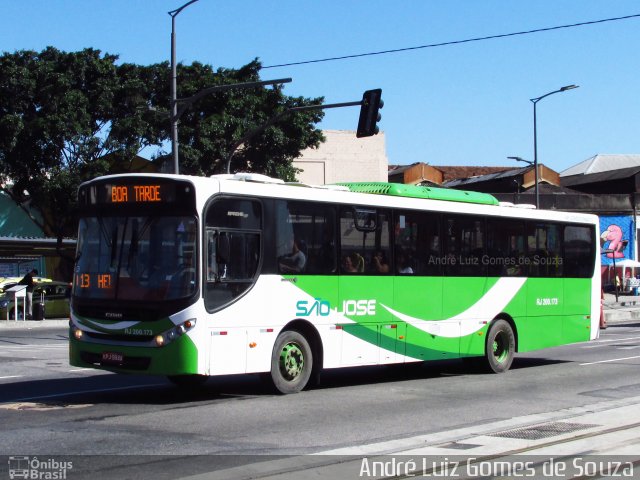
(30, 283)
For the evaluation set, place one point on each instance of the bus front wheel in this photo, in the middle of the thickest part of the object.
(291, 362)
(500, 347)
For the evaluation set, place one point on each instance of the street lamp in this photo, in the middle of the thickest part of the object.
(174, 85)
(520, 159)
(535, 133)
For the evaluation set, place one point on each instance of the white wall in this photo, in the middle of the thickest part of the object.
(344, 158)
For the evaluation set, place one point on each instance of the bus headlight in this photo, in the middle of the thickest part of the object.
(172, 334)
(77, 333)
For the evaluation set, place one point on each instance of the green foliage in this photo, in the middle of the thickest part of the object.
(211, 128)
(68, 117)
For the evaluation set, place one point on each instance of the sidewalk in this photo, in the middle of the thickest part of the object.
(29, 324)
(625, 309)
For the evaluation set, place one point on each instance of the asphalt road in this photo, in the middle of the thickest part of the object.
(48, 408)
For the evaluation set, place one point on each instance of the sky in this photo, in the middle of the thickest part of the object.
(461, 104)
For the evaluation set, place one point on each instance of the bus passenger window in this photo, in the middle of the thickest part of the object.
(305, 238)
(366, 234)
(417, 243)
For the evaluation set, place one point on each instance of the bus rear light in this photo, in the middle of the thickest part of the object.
(253, 345)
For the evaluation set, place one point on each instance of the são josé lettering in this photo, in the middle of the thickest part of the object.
(322, 308)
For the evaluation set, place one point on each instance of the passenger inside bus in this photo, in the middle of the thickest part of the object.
(404, 263)
(296, 260)
(347, 265)
(380, 263)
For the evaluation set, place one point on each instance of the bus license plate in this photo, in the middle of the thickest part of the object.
(112, 358)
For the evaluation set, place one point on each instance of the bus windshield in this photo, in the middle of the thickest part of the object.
(136, 258)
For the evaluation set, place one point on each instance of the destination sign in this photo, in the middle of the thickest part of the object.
(137, 191)
(102, 281)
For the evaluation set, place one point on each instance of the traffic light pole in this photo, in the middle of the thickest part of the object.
(279, 116)
(370, 104)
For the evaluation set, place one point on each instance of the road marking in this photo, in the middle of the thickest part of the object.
(41, 407)
(611, 360)
(31, 347)
(615, 339)
(20, 345)
(11, 376)
(604, 343)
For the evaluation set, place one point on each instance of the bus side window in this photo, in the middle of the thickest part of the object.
(211, 255)
(305, 239)
(367, 233)
(417, 243)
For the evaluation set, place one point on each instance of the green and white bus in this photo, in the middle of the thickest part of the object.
(192, 277)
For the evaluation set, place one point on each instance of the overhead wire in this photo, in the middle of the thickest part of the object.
(453, 42)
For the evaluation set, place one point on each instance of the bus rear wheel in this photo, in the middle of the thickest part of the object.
(500, 347)
(291, 362)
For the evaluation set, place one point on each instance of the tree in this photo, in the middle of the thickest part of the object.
(61, 114)
(68, 117)
(212, 127)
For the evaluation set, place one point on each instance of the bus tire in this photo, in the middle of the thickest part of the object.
(189, 382)
(500, 347)
(291, 362)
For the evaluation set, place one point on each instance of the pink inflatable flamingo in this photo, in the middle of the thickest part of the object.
(613, 234)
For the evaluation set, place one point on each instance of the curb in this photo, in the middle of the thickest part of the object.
(621, 316)
(29, 324)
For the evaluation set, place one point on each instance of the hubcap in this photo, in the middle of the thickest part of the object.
(500, 347)
(291, 361)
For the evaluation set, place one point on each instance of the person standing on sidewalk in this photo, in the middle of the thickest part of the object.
(30, 283)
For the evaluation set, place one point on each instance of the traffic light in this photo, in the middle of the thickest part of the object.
(369, 115)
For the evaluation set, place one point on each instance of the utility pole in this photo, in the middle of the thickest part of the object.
(174, 87)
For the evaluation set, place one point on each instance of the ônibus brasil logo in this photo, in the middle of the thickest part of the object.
(322, 308)
(34, 468)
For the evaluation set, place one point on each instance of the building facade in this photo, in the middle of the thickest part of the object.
(344, 158)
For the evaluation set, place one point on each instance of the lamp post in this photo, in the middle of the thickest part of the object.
(535, 133)
(519, 159)
(174, 85)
